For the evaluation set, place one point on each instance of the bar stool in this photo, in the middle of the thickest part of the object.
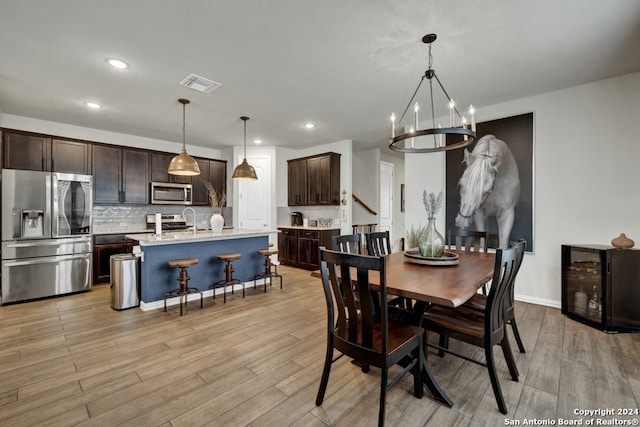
(229, 280)
(183, 279)
(268, 272)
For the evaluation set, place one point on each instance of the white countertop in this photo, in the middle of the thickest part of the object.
(168, 238)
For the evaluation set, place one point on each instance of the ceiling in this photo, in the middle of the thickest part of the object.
(343, 65)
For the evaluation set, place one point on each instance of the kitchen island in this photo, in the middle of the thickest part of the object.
(157, 278)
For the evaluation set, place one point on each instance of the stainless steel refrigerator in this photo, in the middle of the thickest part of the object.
(46, 234)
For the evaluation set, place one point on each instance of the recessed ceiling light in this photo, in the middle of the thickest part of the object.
(93, 105)
(257, 141)
(309, 125)
(116, 63)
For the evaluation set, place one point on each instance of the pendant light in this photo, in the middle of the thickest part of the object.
(244, 170)
(183, 164)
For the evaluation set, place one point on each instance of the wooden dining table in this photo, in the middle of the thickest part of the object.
(446, 285)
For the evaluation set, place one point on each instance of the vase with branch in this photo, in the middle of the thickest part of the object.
(217, 201)
(431, 242)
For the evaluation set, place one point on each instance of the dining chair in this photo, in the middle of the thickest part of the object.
(352, 244)
(479, 302)
(469, 241)
(481, 328)
(349, 243)
(379, 244)
(357, 331)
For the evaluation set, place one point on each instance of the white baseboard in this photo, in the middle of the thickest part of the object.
(539, 301)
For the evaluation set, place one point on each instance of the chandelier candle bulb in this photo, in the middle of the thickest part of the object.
(464, 126)
(472, 112)
(452, 119)
(393, 125)
(415, 109)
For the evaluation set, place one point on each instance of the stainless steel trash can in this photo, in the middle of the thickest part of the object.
(125, 281)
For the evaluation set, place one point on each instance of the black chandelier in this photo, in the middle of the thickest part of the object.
(405, 142)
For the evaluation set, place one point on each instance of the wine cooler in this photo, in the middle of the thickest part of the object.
(601, 287)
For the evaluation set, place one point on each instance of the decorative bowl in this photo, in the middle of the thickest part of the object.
(447, 258)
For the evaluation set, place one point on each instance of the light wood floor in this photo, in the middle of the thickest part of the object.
(75, 361)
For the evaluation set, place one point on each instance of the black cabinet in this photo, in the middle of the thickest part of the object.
(601, 286)
(29, 151)
(105, 245)
(121, 175)
(314, 180)
(298, 247)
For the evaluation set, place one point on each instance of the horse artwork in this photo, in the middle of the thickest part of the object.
(490, 185)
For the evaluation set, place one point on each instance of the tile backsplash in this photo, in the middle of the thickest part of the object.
(129, 219)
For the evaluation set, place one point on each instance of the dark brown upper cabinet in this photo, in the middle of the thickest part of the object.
(297, 182)
(120, 175)
(28, 151)
(71, 156)
(314, 180)
(214, 171)
(160, 165)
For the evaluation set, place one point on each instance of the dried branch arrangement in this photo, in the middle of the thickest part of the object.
(432, 204)
(216, 199)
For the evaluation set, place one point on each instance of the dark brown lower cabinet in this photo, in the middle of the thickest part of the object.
(105, 245)
(299, 247)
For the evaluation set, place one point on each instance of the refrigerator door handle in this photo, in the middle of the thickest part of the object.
(53, 259)
(53, 196)
(40, 243)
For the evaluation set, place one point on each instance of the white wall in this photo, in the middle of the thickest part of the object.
(365, 176)
(585, 171)
(398, 216)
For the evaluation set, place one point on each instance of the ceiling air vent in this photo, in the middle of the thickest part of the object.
(199, 83)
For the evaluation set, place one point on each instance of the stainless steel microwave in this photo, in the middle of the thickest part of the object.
(167, 193)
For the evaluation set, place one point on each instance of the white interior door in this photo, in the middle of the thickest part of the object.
(254, 197)
(385, 216)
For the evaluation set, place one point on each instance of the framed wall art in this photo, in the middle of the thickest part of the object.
(490, 183)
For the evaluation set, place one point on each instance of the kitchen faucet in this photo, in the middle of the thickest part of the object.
(195, 228)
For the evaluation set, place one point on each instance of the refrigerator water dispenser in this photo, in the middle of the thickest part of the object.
(32, 223)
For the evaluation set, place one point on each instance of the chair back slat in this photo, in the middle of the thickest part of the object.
(467, 240)
(378, 243)
(503, 277)
(349, 243)
(509, 301)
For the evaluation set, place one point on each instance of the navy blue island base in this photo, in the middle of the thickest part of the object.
(157, 278)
